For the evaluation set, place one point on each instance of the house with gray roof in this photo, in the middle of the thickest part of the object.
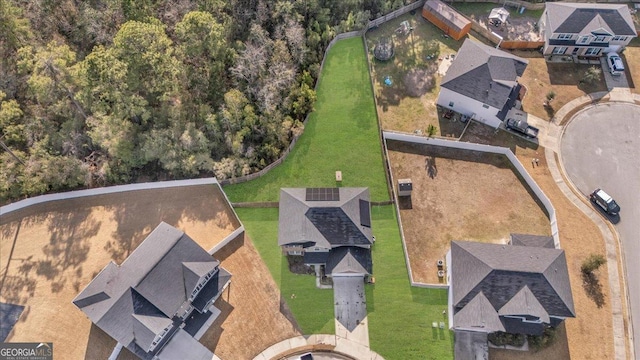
(329, 227)
(583, 31)
(159, 301)
(521, 288)
(482, 83)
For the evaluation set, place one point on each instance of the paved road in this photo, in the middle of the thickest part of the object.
(601, 148)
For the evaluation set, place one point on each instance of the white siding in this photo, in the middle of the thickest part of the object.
(469, 107)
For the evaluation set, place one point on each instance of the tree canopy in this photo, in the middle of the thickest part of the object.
(107, 92)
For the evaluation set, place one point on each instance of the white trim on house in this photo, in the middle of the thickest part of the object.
(467, 106)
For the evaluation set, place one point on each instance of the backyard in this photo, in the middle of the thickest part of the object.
(400, 316)
(410, 106)
(341, 134)
(459, 195)
(50, 252)
(409, 103)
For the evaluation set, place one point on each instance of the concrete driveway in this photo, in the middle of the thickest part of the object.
(618, 81)
(600, 149)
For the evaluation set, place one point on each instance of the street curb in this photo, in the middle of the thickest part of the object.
(616, 270)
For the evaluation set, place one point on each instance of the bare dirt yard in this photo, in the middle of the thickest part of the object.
(459, 195)
(49, 252)
(579, 237)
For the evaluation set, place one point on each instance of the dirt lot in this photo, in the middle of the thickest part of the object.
(579, 237)
(460, 195)
(49, 252)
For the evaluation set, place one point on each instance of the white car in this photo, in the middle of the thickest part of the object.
(616, 67)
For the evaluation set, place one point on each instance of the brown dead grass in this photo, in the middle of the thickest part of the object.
(397, 108)
(541, 77)
(460, 195)
(631, 57)
(49, 252)
(590, 334)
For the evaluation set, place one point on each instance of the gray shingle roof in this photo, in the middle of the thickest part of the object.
(501, 272)
(326, 223)
(584, 18)
(484, 73)
(532, 240)
(478, 314)
(525, 303)
(349, 259)
(183, 346)
(136, 300)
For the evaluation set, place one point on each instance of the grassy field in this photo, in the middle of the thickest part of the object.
(400, 315)
(341, 134)
(311, 307)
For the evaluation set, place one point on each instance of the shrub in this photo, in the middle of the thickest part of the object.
(592, 263)
(538, 342)
(592, 75)
(500, 338)
(431, 130)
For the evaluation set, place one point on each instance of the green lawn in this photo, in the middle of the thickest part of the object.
(400, 316)
(312, 307)
(341, 134)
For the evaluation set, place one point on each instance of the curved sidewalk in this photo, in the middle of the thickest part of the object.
(610, 235)
(321, 343)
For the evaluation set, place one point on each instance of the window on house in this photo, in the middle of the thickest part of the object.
(450, 103)
(564, 36)
(559, 50)
(619, 38)
(485, 106)
(599, 39)
(583, 39)
(592, 51)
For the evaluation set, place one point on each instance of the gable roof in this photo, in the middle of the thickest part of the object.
(349, 260)
(584, 18)
(338, 219)
(516, 280)
(484, 73)
(135, 301)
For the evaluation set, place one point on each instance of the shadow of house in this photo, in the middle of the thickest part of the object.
(521, 288)
(159, 297)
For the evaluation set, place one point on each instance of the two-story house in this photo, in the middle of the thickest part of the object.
(583, 31)
(329, 227)
(519, 288)
(482, 83)
(159, 301)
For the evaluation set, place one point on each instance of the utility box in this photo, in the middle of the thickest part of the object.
(404, 187)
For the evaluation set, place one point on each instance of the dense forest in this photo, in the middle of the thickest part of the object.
(103, 92)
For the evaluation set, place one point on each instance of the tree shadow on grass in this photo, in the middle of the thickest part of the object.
(593, 288)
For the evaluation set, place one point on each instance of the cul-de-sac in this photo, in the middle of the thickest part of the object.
(319, 180)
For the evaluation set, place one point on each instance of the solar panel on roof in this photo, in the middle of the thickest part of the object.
(365, 213)
(323, 194)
